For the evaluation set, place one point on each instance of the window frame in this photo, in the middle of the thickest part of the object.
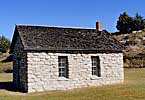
(63, 66)
(96, 69)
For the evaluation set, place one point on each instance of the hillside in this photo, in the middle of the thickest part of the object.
(134, 47)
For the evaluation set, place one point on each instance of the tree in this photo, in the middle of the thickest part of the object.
(127, 24)
(124, 24)
(4, 44)
(138, 22)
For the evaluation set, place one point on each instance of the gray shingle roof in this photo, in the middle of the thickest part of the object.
(57, 38)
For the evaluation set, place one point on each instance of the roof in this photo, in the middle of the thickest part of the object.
(58, 38)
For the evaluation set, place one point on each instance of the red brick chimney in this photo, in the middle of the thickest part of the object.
(98, 26)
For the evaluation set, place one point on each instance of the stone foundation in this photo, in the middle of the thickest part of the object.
(43, 71)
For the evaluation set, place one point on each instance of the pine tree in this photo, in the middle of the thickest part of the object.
(124, 24)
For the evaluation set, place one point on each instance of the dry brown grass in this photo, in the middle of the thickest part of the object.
(132, 89)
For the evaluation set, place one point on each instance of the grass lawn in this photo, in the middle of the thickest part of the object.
(132, 89)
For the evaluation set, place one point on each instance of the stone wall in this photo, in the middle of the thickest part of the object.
(43, 71)
(19, 66)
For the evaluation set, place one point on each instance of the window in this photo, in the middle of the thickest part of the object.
(63, 66)
(96, 66)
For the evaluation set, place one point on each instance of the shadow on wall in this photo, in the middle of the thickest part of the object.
(7, 86)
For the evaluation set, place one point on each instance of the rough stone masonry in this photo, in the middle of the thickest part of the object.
(43, 71)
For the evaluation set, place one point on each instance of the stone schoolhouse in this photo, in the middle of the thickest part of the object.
(56, 58)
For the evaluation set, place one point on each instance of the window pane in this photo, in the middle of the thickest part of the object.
(59, 70)
(63, 65)
(59, 64)
(59, 74)
(63, 70)
(94, 68)
(94, 72)
(63, 74)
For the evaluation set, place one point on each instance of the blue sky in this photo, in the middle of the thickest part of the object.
(66, 13)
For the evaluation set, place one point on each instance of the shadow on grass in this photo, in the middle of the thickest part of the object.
(7, 86)
(7, 59)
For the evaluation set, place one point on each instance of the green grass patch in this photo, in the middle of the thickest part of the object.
(132, 89)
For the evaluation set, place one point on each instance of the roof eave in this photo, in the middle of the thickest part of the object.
(73, 50)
